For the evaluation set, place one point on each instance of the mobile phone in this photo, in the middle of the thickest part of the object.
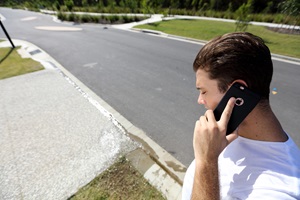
(245, 101)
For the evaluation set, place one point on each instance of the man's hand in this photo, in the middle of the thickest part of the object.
(210, 135)
(209, 141)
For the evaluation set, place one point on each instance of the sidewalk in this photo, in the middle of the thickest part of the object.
(57, 136)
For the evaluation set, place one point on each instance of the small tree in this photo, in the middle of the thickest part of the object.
(229, 9)
(243, 13)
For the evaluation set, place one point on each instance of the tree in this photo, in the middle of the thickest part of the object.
(132, 4)
(69, 4)
(175, 3)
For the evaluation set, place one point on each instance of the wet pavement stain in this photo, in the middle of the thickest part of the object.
(175, 166)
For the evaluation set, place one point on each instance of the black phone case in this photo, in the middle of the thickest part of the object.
(246, 100)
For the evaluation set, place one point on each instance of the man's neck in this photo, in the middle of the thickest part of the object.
(263, 125)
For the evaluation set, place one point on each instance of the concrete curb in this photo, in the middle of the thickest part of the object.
(159, 167)
(155, 174)
(286, 58)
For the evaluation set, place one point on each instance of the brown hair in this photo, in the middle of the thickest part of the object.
(235, 56)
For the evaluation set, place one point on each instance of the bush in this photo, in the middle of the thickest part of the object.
(103, 19)
(278, 18)
(268, 18)
(62, 16)
(272, 18)
(114, 19)
(126, 19)
(95, 19)
(86, 18)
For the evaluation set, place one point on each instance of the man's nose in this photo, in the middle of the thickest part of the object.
(200, 100)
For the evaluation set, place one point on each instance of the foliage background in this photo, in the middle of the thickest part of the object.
(274, 11)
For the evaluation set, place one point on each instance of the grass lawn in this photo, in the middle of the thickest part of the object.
(120, 181)
(12, 64)
(278, 43)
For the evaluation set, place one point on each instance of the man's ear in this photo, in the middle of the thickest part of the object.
(240, 81)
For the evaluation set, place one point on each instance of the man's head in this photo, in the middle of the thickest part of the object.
(237, 56)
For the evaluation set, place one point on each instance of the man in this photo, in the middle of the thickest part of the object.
(258, 160)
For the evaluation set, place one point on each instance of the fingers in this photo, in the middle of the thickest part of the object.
(227, 112)
(208, 120)
(203, 121)
(210, 116)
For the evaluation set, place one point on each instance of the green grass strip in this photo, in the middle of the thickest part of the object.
(279, 43)
(12, 64)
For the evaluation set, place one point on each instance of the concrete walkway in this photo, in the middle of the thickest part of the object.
(56, 135)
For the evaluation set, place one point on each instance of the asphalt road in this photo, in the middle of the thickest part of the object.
(148, 79)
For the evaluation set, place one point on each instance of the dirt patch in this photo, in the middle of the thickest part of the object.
(285, 30)
(120, 181)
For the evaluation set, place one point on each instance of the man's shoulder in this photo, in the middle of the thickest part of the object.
(260, 153)
(262, 164)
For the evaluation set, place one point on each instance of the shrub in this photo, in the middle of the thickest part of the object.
(278, 18)
(86, 18)
(62, 16)
(113, 18)
(126, 19)
(95, 19)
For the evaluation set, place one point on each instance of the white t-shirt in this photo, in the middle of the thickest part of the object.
(250, 169)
